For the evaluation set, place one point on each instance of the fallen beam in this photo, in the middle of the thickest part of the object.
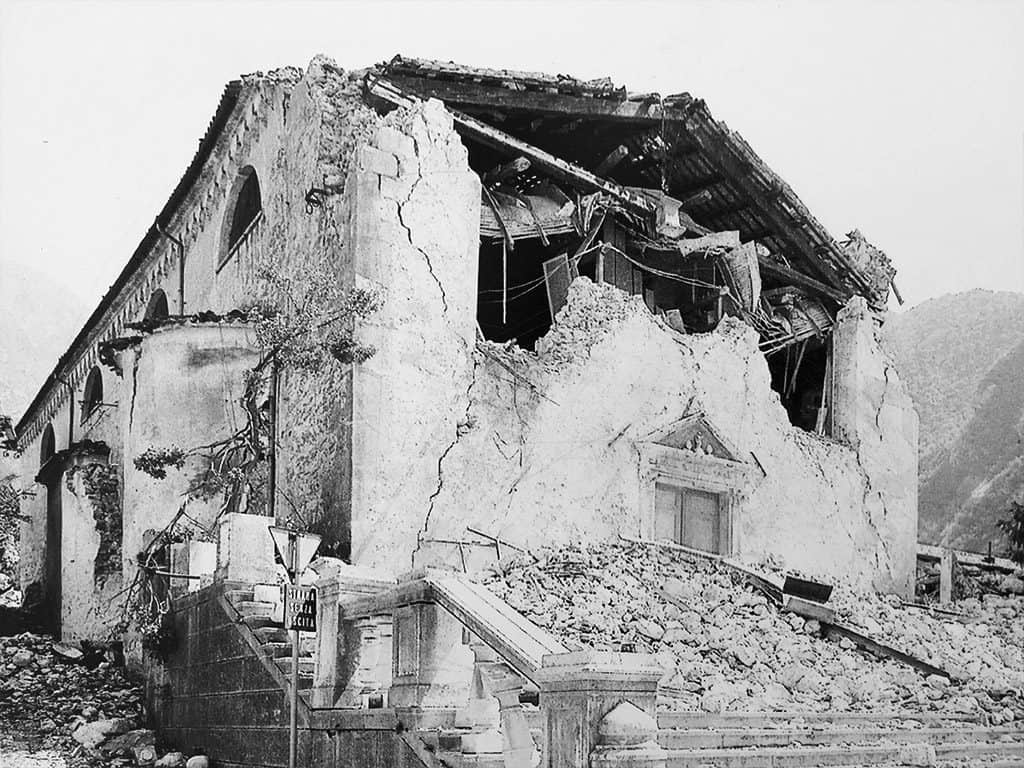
(933, 553)
(510, 145)
(775, 269)
(833, 631)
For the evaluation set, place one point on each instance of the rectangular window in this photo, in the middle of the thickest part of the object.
(689, 517)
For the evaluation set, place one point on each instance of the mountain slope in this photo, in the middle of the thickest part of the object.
(38, 319)
(962, 357)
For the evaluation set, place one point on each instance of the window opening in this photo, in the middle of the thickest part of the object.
(93, 395)
(156, 309)
(689, 517)
(245, 207)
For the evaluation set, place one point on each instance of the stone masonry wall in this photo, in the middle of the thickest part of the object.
(414, 234)
(547, 450)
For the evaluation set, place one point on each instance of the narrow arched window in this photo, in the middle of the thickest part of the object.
(244, 207)
(47, 446)
(156, 309)
(93, 396)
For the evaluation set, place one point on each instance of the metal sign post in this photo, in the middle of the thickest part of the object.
(296, 550)
(293, 720)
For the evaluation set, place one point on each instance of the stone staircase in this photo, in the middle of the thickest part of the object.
(796, 740)
(275, 642)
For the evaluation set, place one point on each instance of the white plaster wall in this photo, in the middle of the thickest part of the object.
(183, 389)
(89, 608)
(414, 233)
(549, 454)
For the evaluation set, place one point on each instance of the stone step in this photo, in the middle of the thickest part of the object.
(455, 759)
(703, 720)
(272, 634)
(277, 650)
(260, 622)
(816, 736)
(254, 608)
(305, 665)
(816, 757)
(236, 596)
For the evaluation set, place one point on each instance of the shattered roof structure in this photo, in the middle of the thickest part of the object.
(685, 182)
(672, 143)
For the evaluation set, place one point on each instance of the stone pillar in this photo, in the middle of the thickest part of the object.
(432, 667)
(384, 673)
(872, 413)
(578, 689)
(339, 651)
(328, 645)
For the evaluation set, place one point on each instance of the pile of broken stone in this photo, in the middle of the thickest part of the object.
(79, 703)
(727, 647)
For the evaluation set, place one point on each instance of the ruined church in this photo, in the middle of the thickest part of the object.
(601, 317)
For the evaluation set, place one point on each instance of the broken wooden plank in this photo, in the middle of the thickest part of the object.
(809, 609)
(614, 157)
(932, 553)
(881, 649)
(509, 144)
(507, 171)
(782, 272)
(556, 280)
(480, 96)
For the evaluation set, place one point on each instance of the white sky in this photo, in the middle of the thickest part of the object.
(903, 119)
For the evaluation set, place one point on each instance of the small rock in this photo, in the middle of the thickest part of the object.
(171, 760)
(23, 658)
(198, 761)
(1012, 585)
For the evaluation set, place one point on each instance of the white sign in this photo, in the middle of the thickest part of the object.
(306, 545)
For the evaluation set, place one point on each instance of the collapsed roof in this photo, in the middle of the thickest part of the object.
(596, 138)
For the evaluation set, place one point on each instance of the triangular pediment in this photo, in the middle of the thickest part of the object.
(697, 435)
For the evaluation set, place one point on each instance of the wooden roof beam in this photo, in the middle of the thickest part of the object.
(506, 143)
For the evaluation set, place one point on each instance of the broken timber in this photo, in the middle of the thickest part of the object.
(866, 643)
(504, 142)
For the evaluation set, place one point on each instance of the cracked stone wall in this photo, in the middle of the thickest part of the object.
(414, 233)
(874, 414)
(548, 449)
(87, 596)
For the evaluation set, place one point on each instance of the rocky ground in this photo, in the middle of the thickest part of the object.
(66, 707)
(726, 647)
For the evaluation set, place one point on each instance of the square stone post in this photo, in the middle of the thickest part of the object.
(339, 652)
(578, 689)
(432, 666)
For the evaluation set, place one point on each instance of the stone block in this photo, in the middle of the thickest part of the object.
(578, 689)
(245, 551)
(394, 142)
(374, 160)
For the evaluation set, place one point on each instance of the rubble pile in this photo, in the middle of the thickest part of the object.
(726, 647)
(60, 698)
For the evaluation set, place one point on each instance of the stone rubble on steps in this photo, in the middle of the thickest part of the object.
(726, 648)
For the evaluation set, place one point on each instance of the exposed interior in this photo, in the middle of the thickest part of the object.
(573, 187)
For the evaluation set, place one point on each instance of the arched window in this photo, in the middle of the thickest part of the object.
(47, 446)
(244, 205)
(156, 309)
(93, 396)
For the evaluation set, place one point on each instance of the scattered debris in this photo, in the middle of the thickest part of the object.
(726, 647)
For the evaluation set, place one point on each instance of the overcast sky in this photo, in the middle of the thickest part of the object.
(904, 119)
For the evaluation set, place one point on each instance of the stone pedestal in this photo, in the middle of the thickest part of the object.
(339, 648)
(432, 666)
(578, 689)
(245, 551)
